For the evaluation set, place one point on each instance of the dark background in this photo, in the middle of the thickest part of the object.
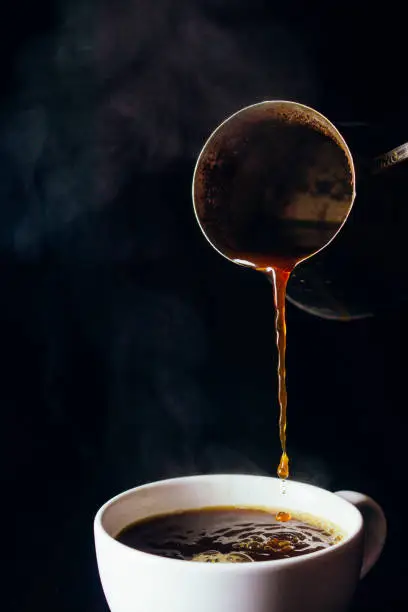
(130, 351)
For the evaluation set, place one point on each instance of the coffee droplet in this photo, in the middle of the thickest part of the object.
(283, 517)
(283, 468)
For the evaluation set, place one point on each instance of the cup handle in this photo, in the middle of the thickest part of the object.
(375, 527)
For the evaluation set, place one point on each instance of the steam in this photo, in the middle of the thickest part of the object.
(312, 470)
(128, 87)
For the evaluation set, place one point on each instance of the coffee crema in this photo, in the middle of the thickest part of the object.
(230, 535)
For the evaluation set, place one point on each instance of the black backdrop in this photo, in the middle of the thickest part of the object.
(130, 351)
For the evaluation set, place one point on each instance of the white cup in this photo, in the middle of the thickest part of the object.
(323, 581)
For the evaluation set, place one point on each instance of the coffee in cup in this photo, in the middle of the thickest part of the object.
(231, 535)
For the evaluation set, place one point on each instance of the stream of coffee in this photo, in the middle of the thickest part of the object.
(280, 281)
(279, 269)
